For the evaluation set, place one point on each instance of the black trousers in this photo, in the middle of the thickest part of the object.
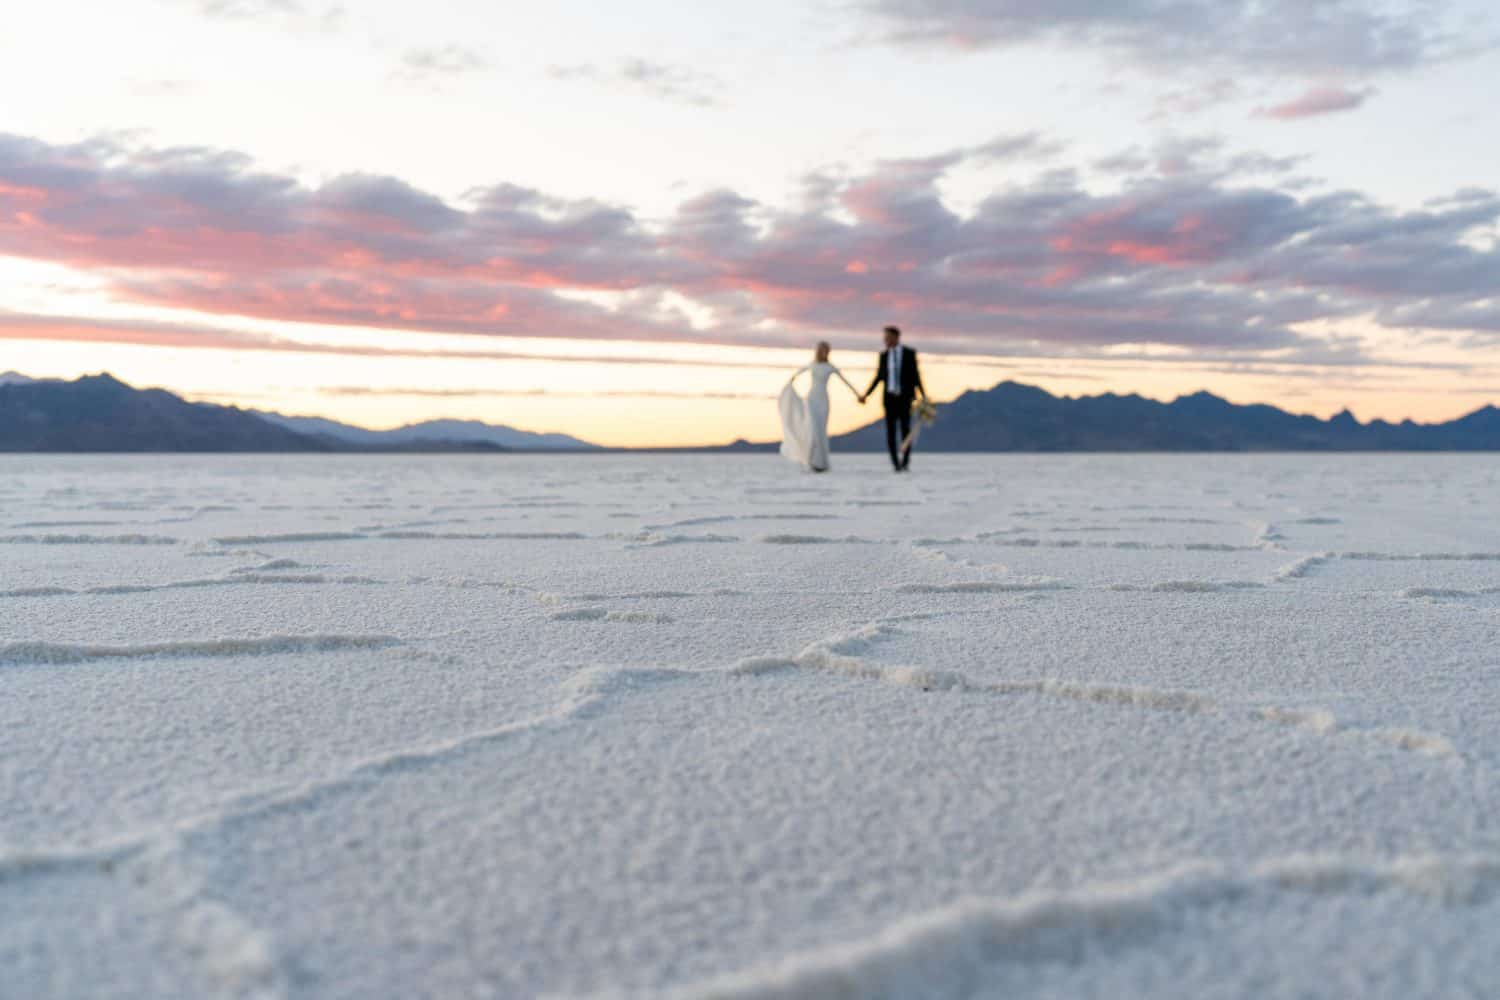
(897, 426)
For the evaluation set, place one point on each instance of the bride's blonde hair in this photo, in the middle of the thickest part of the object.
(820, 352)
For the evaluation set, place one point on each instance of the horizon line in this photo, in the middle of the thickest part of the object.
(199, 399)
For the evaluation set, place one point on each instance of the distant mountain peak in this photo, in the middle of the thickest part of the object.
(1487, 416)
(103, 378)
(1203, 396)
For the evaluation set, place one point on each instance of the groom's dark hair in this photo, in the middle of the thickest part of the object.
(893, 331)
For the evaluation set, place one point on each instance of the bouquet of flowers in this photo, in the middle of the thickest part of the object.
(925, 413)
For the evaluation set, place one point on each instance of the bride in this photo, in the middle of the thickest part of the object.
(804, 422)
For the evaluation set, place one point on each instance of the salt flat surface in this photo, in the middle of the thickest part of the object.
(710, 727)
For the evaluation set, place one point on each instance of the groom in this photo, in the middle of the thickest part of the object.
(898, 370)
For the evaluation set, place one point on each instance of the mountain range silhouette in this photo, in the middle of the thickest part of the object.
(99, 413)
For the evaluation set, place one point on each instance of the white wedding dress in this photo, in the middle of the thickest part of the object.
(804, 422)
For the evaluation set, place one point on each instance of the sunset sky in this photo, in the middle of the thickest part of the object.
(630, 221)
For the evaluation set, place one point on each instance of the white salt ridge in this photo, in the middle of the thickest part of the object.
(945, 953)
(1316, 720)
(1267, 535)
(984, 587)
(606, 615)
(55, 539)
(640, 617)
(841, 655)
(641, 595)
(1128, 545)
(57, 653)
(268, 567)
(1302, 568)
(303, 578)
(581, 615)
(116, 589)
(1422, 556)
(933, 553)
(652, 540)
(1442, 592)
(1203, 586)
(356, 536)
(292, 538)
(1414, 739)
(238, 579)
(1187, 587)
(1324, 723)
(694, 522)
(485, 536)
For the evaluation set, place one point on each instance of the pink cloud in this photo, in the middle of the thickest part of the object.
(1317, 101)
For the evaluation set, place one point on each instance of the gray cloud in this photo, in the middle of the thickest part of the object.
(1016, 146)
(1270, 36)
(666, 82)
(440, 62)
(247, 9)
(284, 13)
(160, 87)
(1191, 100)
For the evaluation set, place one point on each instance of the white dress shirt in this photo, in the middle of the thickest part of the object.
(893, 371)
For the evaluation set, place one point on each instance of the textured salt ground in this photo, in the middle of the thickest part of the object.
(707, 725)
(669, 848)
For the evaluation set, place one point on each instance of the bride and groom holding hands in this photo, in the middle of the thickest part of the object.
(804, 420)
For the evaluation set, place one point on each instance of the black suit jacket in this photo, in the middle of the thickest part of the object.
(911, 375)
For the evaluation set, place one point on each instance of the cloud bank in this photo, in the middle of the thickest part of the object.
(1197, 249)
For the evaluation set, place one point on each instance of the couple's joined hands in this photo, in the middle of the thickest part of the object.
(865, 396)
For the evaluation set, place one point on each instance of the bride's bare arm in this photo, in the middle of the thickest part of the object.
(799, 371)
(846, 381)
